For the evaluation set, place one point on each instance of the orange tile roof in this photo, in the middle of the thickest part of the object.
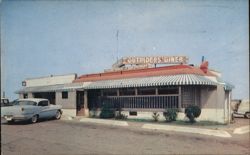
(158, 71)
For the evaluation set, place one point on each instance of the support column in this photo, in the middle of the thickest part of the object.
(195, 97)
(101, 93)
(229, 107)
(179, 100)
(136, 91)
(117, 92)
(156, 91)
(30, 95)
(86, 109)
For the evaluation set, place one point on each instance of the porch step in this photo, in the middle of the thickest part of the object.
(81, 112)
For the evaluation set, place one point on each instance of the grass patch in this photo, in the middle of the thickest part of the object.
(198, 123)
(139, 120)
(177, 122)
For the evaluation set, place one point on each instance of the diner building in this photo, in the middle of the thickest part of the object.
(139, 86)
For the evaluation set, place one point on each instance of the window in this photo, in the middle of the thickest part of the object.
(110, 92)
(127, 91)
(167, 90)
(43, 103)
(25, 95)
(64, 95)
(146, 91)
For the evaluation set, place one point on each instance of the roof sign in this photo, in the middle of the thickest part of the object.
(147, 62)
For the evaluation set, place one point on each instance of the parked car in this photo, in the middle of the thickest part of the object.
(31, 109)
(243, 109)
(5, 102)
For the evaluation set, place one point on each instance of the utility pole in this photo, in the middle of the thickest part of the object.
(117, 45)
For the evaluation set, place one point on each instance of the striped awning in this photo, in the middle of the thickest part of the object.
(182, 79)
(227, 85)
(53, 88)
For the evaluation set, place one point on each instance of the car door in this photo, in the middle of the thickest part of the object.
(44, 109)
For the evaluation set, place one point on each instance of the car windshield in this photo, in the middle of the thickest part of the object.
(24, 103)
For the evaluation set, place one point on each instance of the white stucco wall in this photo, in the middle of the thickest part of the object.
(68, 103)
(69, 112)
(50, 80)
(213, 115)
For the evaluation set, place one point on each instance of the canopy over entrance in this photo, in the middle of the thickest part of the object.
(183, 79)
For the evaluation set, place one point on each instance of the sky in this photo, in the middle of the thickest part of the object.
(42, 38)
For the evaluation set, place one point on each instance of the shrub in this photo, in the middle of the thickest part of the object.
(93, 113)
(192, 112)
(107, 111)
(170, 114)
(121, 116)
(155, 116)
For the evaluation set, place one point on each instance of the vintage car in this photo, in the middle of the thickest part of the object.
(243, 109)
(5, 102)
(31, 109)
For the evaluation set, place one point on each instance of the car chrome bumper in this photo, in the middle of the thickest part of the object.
(16, 117)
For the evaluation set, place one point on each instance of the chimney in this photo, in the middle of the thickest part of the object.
(204, 66)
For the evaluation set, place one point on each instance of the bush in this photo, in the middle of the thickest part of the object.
(192, 112)
(170, 114)
(121, 116)
(155, 116)
(93, 112)
(107, 111)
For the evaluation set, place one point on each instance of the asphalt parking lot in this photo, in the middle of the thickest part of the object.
(71, 137)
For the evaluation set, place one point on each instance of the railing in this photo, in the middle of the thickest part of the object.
(139, 102)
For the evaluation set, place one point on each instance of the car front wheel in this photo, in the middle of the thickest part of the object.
(58, 114)
(247, 115)
(34, 119)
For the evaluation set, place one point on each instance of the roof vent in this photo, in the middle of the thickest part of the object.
(204, 66)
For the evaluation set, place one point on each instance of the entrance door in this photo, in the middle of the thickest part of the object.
(80, 103)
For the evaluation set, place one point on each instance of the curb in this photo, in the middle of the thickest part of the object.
(66, 118)
(107, 122)
(242, 130)
(218, 133)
